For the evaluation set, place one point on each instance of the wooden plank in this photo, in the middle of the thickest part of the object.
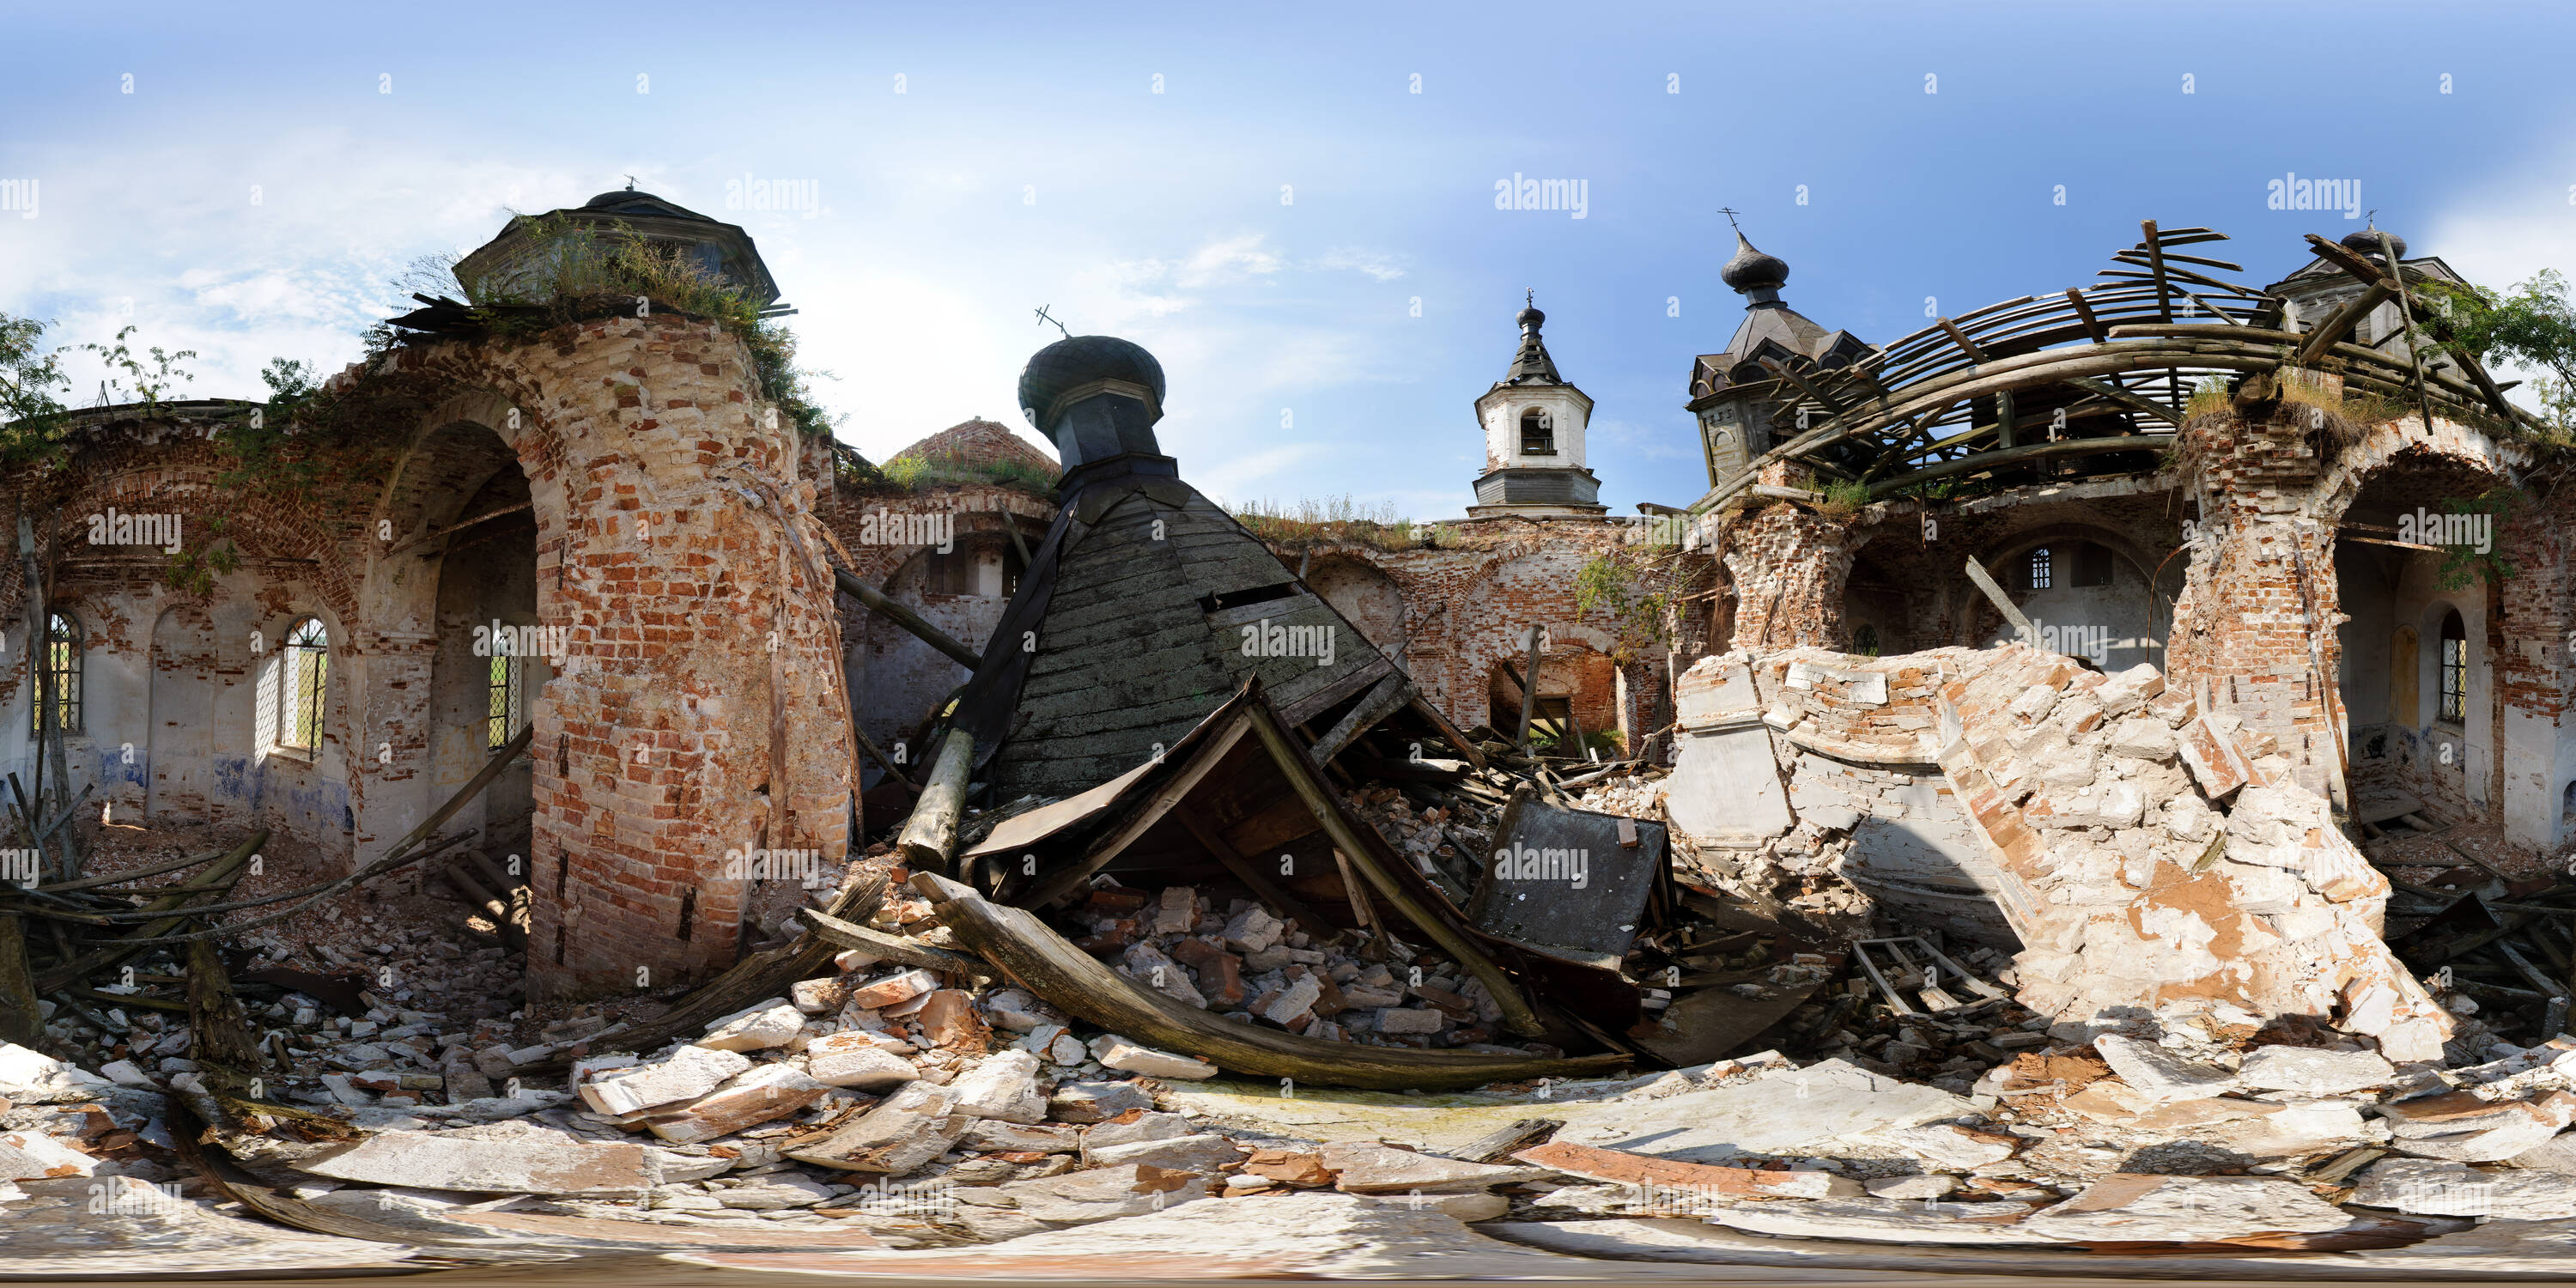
(2083, 309)
(2156, 261)
(1960, 338)
(893, 948)
(1065, 880)
(1075, 982)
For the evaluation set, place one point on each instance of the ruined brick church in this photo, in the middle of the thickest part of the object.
(602, 544)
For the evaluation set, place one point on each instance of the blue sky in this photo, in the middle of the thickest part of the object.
(1028, 160)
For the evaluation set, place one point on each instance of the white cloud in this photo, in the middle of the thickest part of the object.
(1378, 265)
(1232, 260)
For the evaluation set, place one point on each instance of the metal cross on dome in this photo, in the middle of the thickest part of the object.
(1730, 214)
(1044, 316)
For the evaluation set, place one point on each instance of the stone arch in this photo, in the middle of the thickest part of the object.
(2115, 626)
(1516, 589)
(2386, 592)
(1364, 595)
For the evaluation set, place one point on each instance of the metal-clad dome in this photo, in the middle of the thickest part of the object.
(1079, 360)
(1751, 270)
(2366, 242)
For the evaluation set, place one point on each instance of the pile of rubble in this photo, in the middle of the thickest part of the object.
(2205, 1043)
(882, 1103)
(1247, 964)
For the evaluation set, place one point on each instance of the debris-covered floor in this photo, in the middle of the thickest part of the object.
(917, 1098)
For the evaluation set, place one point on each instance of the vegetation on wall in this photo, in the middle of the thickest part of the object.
(1641, 589)
(1337, 519)
(34, 419)
(582, 271)
(2533, 326)
(912, 473)
(2464, 566)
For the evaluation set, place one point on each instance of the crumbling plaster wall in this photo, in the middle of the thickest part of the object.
(2140, 852)
(898, 677)
(2260, 620)
(173, 717)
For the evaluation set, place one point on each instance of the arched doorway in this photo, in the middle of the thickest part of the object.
(2414, 671)
(491, 655)
(180, 742)
(1365, 597)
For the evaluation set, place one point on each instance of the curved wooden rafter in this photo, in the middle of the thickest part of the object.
(2100, 371)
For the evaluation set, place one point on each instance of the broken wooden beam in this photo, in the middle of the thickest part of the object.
(893, 948)
(877, 602)
(225, 872)
(2156, 264)
(1517, 1015)
(2339, 324)
(219, 1034)
(1079, 984)
(1380, 702)
(930, 835)
(1529, 687)
(1985, 581)
(21, 1022)
(489, 904)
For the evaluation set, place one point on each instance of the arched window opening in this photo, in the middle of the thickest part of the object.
(2455, 669)
(2042, 568)
(1865, 640)
(507, 710)
(61, 659)
(1538, 433)
(305, 677)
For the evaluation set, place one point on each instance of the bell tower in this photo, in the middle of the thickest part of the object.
(1534, 423)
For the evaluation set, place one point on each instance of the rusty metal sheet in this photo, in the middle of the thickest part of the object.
(1561, 882)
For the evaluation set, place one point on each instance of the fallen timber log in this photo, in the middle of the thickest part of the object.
(1048, 965)
(174, 913)
(762, 975)
(930, 835)
(893, 948)
(877, 602)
